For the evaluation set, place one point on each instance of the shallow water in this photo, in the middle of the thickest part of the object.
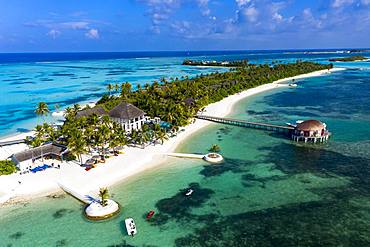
(268, 192)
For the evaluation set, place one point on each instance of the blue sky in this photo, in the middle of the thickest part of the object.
(150, 25)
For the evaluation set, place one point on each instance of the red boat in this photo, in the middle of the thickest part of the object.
(150, 215)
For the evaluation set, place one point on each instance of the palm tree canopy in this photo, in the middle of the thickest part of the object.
(42, 109)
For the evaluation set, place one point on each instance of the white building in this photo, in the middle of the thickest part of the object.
(127, 115)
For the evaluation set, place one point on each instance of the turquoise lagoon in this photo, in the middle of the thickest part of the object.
(268, 192)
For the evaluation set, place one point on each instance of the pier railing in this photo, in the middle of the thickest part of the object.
(248, 124)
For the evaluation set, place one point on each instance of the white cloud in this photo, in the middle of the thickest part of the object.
(251, 13)
(277, 17)
(242, 3)
(92, 34)
(341, 3)
(53, 33)
(76, 25)
(203, 5)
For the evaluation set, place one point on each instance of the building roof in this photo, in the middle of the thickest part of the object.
(126, 111)
(34, 153)
(310, 125)
(98, 110)
(189, 101)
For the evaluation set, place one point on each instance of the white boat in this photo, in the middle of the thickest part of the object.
(291, 125)
(189, 192)
(130, 226)
(58, 114)
(293, 85)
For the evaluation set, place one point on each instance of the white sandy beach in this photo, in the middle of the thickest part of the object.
(116, 169)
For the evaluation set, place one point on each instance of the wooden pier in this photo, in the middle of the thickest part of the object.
(247, 124)
(13, 142)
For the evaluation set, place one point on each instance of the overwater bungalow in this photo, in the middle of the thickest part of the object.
(310, 131)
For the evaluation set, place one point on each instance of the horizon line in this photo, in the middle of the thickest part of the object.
(164, 51)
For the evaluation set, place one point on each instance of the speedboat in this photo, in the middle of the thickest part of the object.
(130, 226)
(189, 192)
(150, 215)
(293, 85)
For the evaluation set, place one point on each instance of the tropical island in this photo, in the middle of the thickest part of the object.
(144, 122)
(349, 59)
(238, 63)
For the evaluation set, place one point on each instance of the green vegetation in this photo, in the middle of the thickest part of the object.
(104, 196)
(175, 102)
(167, 99)
(84, 134)
(348, 59)
(241, 63)
(215, 148)
(7, 167)
(42, 109)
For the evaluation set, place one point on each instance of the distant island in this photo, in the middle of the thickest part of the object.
(239, 63)
(348, 59)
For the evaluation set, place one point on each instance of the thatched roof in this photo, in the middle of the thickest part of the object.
(126, 111)
(98, 110)
(189, 101)
(310, 125)
(34, 153)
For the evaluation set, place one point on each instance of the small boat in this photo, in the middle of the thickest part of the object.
(293, 85)
(189, 192)
(58, 114)
(291, 125)
(150, 214)
(130, 226)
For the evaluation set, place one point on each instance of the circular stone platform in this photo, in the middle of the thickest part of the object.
(95, 211)
(213, 158)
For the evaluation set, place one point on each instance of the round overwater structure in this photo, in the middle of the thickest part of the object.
(96, 211)
(213, 158)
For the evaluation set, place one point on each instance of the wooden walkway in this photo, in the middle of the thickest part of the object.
(183, 155)
(81, 196)
(247, 124)
(8, 143)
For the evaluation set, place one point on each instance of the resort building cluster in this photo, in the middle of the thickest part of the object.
(127, 115)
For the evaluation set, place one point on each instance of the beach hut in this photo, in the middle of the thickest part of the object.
(27, 158)
(310, 131)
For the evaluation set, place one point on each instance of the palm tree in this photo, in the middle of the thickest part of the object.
(125, 89)
(104, 196)
(162, 136)
(42, 109)
(56, 107)
(110, 88)
(76, 108)
(134, 135)
(215, 148)
(77, 144)
(69, 113)
(116, 87)
(103, 136)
